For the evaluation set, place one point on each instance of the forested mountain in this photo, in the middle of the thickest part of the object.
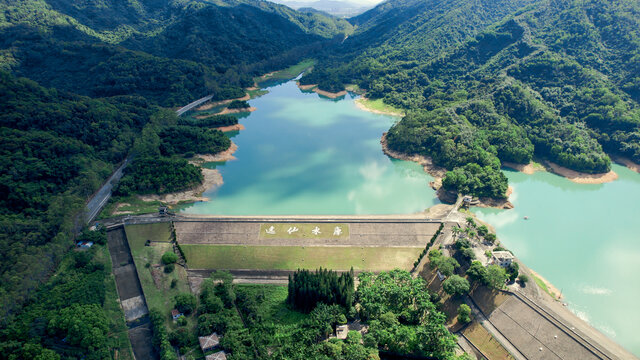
(98, 73)
(491, 81)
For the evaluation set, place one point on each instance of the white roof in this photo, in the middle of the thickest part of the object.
(502, 255)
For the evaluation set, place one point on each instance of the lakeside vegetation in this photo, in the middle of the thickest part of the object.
(514, 85)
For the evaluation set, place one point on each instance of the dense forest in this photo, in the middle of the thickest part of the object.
(81, 86)
(494, 81)
(307, 289)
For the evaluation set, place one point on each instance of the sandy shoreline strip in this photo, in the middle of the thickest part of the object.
(212, 104)
(360, 105)
(212, 178)
(237, 111)
(628, 163)
(314, 88)
(581, 178)
(526, 169)
(236, 127)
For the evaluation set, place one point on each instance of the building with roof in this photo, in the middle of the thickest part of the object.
(175, 314)
(502, 258)
(209, 343)
(220, 355)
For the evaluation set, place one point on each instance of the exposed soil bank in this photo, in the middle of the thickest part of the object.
(236, 127)
(581, 178)
(361, 104)
(212, 104)
(526, 169)
(438, 174)
(226, 155)
(314, 88)
(236, 111)
(628, 163)
(212, 178)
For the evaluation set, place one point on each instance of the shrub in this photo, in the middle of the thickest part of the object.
(464, 313)
(186, 303)
(169, 268)
(169, 258)
(524, 279)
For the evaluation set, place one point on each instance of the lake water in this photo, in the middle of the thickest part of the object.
(304, 154)
(584, 239)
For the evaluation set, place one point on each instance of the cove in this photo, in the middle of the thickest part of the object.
(585, 239)
(305, 154)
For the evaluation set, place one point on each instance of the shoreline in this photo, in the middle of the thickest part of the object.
(581, 178)
(556, 294)
(210, 105)
(628, 163)
(212, 178)
(236, 111)
(438, 173)
(571, 175)
(314, 88)
(236, 127)
(360, 104)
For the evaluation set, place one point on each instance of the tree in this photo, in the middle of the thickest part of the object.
(483, 230)
(496, 276)
(464, 312)
(477, 272)
(512, 271)
(490, 238)
(456, 285)
(446, 265)
(524, 279)
(169, 257)
(186, 303)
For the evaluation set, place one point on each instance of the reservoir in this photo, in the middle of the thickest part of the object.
(305, 154)
(583, 238)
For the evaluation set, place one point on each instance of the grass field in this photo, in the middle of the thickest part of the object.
(156, 284)
(139, 234)
(274, 307)
(379, 105)
(131, 205)
(230, 257)
(288, 73)
(304, 231)
(486, 343)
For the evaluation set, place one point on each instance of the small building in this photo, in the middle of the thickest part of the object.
(175, 314)
(209, 343)
(502, 258)
(342, 331)
(84, 244)
(220, 355)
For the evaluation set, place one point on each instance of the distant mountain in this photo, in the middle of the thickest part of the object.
(332, 7)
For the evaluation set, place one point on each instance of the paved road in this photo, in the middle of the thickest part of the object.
(192, 105)
(102, 196)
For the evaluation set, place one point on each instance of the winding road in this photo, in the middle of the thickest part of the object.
(97, 201)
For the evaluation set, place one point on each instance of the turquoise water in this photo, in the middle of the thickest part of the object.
(304, 154)
(585, 240)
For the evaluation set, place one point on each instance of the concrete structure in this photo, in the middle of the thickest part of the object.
(502, 258)
(362, 232)
(220, 355)
(342, 331)
(209, 343)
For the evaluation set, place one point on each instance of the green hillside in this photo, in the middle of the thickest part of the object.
(554, 79)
